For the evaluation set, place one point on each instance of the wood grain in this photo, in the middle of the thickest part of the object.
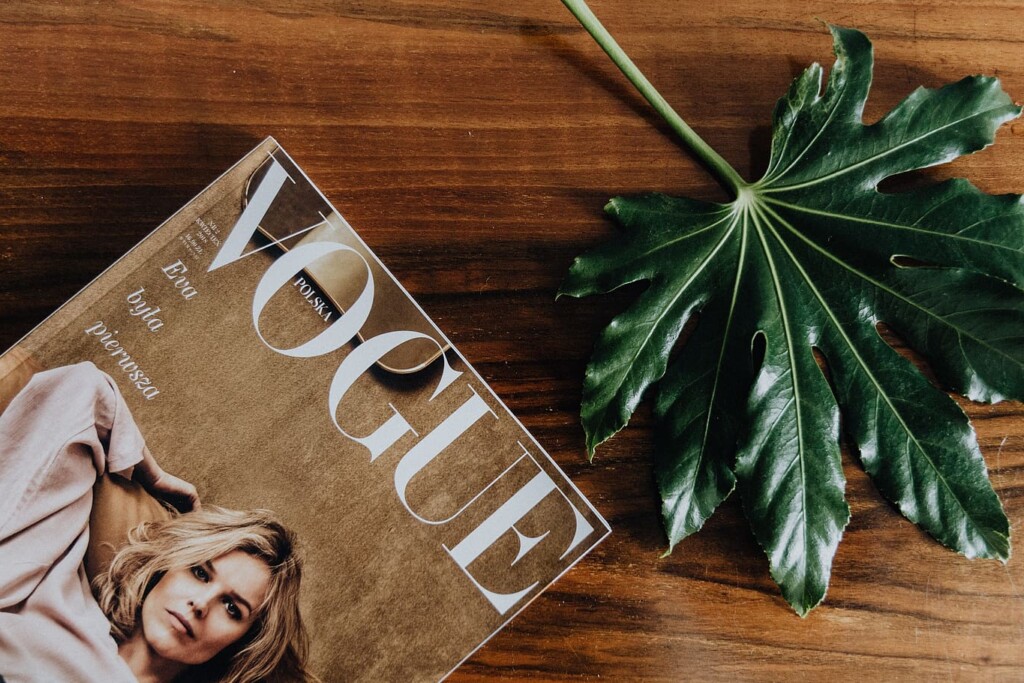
(473, 145)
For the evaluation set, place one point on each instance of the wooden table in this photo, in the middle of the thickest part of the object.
(473, 145)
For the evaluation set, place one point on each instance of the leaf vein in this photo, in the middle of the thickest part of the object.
(888, 224)
(818, 134)
(641, 345)
(787, 332)
(880, 155)
(897, 295)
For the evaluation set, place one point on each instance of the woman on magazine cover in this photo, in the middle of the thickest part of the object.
(211, 595)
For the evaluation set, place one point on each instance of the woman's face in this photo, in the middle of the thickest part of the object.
(194, 613)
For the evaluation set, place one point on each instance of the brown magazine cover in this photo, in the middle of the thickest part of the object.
(368, 508)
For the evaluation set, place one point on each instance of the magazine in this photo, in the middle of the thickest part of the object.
(246, 452)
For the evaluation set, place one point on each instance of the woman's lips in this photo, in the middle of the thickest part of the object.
(183, 623)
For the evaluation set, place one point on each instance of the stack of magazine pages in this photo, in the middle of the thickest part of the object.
(368, 508)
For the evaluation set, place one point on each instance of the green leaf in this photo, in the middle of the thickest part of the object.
(812, 257)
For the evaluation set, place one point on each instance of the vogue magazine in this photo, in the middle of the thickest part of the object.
(244, 453)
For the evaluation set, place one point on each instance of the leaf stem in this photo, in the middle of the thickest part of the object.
(719, 167)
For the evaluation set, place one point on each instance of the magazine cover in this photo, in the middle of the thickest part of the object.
(243, 452)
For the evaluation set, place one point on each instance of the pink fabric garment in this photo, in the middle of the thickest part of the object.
(64, 429)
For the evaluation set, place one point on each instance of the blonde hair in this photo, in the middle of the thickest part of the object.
(275, 647)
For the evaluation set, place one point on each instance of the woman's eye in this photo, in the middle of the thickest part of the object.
(200, 574)
(232, 609)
